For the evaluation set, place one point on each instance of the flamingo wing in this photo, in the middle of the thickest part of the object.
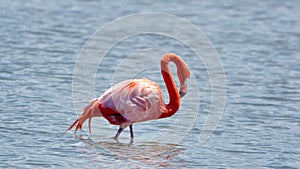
(134, 100)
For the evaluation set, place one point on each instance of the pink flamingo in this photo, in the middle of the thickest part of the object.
(138, 100)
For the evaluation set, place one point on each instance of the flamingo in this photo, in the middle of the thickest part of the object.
(138, 100)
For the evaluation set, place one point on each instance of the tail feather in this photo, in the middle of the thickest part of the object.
(72, 125)
(90, 121)
(86, 108)
(89, 112)
(79, 126)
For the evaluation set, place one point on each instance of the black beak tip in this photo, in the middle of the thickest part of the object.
(181, 94)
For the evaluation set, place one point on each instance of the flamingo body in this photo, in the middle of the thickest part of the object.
(132, 101)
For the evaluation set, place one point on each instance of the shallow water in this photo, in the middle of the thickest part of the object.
(258, 46)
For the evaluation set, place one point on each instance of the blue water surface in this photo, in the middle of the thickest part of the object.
(258, 44)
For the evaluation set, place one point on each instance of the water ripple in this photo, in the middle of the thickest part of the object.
(258, 46)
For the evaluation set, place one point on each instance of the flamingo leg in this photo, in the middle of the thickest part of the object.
(118, 133)
(131, 131)
(131, 134)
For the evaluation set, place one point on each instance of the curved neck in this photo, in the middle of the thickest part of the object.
(174, 103)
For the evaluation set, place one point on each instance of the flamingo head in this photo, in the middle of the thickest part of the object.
(183, 74)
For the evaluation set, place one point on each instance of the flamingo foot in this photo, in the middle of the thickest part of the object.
(117, 140)
(131, 141)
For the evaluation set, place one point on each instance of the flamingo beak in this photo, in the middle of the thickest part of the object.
(181, 94)
(183, 89)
